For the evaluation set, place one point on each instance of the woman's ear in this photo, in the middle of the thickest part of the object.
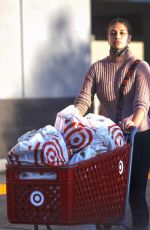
(129, 38)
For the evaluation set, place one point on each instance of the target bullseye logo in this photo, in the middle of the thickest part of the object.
(76, 135)
(121, 167)
(116, 134)
(37, 198)
(51, 152)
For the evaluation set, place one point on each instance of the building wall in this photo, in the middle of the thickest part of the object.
(45, 51)
(56, 46)
(44, 47)
(10, 49)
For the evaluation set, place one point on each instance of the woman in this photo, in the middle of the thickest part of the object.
(104, 79)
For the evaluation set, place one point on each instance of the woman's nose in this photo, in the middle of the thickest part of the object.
(118, 35)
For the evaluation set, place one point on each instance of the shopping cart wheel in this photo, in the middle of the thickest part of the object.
(47, 226)
(99, 227)
(107, 226)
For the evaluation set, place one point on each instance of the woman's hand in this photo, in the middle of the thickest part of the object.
(132, 121)
(126, 125)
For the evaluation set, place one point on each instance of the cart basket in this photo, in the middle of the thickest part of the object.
(91, 191)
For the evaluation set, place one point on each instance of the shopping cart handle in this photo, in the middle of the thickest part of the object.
(129, 134)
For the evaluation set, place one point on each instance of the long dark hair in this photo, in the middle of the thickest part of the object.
(120, 20)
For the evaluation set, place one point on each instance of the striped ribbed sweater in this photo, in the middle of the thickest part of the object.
(104, 78)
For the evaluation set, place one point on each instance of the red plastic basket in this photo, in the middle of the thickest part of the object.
(92, 191)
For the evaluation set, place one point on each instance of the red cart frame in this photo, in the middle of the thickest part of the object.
(94, 191)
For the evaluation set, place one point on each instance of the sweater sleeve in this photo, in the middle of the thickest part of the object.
(85, 97)
(142, 90)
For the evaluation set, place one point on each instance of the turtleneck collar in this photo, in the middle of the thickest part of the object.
(119, 55)
(117, 52)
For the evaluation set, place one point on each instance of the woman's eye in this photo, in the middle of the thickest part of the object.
(123, 33)
(113, 33)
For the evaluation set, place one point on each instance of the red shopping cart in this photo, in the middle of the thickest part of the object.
(94, 191)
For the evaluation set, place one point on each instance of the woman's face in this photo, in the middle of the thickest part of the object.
(118, 36)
